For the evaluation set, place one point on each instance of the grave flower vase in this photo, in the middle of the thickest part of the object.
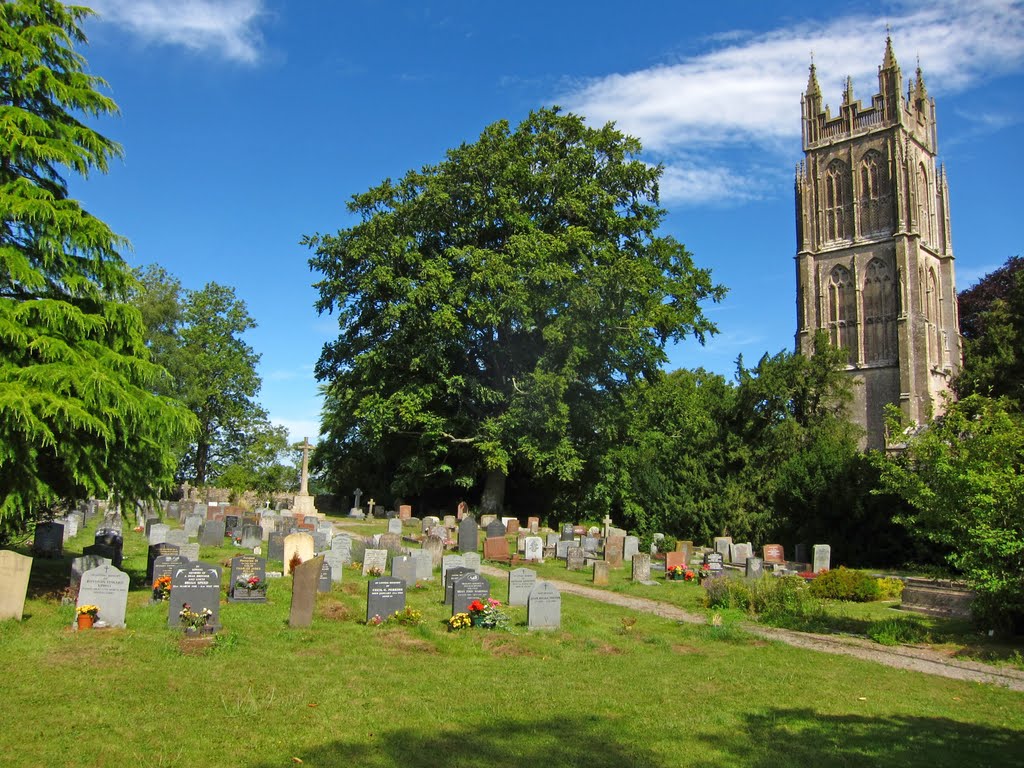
(85, 620)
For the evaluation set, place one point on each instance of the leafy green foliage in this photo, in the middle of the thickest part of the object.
(493, 307)
(963, 479)
(899, 630)
(78, 415)
(846, 584)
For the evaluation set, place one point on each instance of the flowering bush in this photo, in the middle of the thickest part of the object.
(162, 588)
(459, 621)
(689, 575)
(91, 610)
(674, 572)
(705, 571)
(488, 615)
(409, 617)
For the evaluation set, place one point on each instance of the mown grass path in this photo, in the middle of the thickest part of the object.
(901, 657)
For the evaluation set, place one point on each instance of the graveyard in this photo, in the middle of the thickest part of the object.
(353, 659)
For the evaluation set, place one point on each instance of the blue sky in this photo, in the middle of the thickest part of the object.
(249, 123)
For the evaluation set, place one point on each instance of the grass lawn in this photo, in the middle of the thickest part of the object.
(345, 694)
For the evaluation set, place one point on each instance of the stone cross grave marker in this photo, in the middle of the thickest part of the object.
(468, 535)
(520, 583)
(305, 579)
(375, 560)
(466, 589)
(384, 597)
(107, 588)
(243, 568)
(197, 584)
(544, 607)
(14, 573)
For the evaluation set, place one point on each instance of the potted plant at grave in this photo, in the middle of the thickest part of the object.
(487, 615)
(252, 585)
(195, 622)
(162, 588)
(674, 572)
(459, 621)
(87, 615)
(705, 571)
(689, 575)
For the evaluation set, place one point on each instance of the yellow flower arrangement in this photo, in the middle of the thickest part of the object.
(459, 621)
(92, 610)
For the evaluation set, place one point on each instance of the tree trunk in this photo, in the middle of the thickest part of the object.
(493, 500)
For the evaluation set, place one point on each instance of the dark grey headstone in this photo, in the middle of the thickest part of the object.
(305, 579)
(384, 597)
(324, 585)
(574, 558)
(49, 540)
(544, 607)
(275, 546)
(468, 540)
(211, 534)
(466, 589)
(166, 565)
(252, 536)
(102, 550)
(243, 567)
(568, 532)
(197, 584)
(451, 561)
(754, 568)
(495, 529)
(713, 561)
(80, 565)
(449, 578)
(232, 525)
(155, 551)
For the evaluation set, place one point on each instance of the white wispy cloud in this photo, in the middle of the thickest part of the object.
(226, 28)
(745, 91)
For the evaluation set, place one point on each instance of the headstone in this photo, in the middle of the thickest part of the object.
(574, 559)
(158, 533)
(102, 550)
(685, 548)
(520, 582)
(822, 557)
(450, 522)
(601, 571)
(533, 548)
(486, 520)
(107, 588)
(343, 544)
(428, 524)
(71, 526)
(232, 525)
(424, 563)
(468, 541)
(562, 548)
(568, 532)
(754, 568)
(722, 544)
(80, 565)
(177, 537)
(395, 526)
(450, 576)
(14, 573)
(392, 542)
(334, 558)
(49, 540)
(590, 544)
(244, 568)
(461, 510)
(713, 563)
(190, 551)
(544, 607)
(305, 580)
(375, 560)
(738, 553)
(155, 551)
(384, 597)
(252, 536)
(630, 546)
(495, 529)
(496, 548)
(533, 523)
(404, 568)
(472, 561)
(512, 527)
(800, 552)
(211, 534)
(468, 588)
(434, 546)
(300, 544)
(197, 584)
(773, 553)
(166, 565)
(641, 566)
(673, 559)
(319, 541)
(324, 584)
(448, 562)
(614, 549)
(192, 525)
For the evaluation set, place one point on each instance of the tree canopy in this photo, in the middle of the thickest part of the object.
(78, 415)
(492, 307)
(197, 337)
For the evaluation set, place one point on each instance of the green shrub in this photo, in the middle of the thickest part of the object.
(726, 592)
(845, 584)
(896, 631)
(889, 588)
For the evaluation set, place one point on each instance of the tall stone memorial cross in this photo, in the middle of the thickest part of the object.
(607, 524)
(304, 477)
(358, 494)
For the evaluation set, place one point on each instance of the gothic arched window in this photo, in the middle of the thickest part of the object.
(924, 208)
(837, 201)
(879, 313)
(842, 311)
(874, 194)
(934, 326)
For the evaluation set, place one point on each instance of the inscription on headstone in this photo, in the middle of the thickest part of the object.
(533, 548)
(822, 554)
(468, 588)
(375, 560)
(384, 597)
(544, 607)
(248, 579)
(197, 584)
(107, 588)
(520, 583)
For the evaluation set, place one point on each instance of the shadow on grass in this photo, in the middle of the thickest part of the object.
(804, 737)
(509, 743)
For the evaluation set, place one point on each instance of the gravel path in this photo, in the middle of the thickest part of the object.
(902, 657)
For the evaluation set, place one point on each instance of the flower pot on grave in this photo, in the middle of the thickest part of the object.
(85, 620)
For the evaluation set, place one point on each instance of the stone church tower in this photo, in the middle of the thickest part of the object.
(874, 263)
